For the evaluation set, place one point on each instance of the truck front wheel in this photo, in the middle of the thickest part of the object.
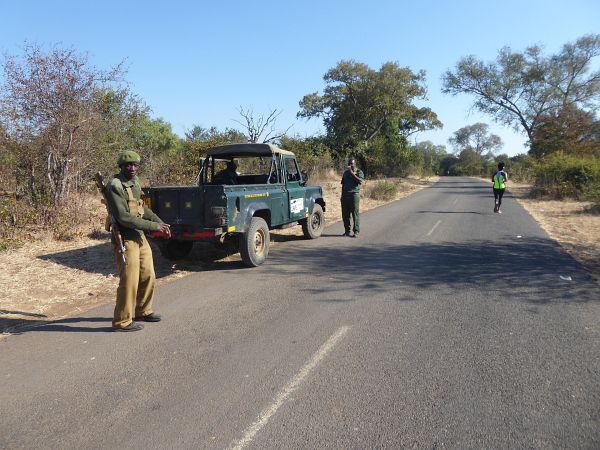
(173, 249)
(312, 227)
(254, 244)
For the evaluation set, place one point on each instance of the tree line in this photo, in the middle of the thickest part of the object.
(62, 119)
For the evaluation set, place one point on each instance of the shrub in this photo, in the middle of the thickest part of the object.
(521, 168)
(16, 215)
(382, 190)
(563, 175)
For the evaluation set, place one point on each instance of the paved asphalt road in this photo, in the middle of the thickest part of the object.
(442, 325)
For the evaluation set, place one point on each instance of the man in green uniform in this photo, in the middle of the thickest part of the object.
(137, 278)
(351, 181)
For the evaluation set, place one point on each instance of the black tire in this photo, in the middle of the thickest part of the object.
(313, 226)
(254, 244)
(173, 249)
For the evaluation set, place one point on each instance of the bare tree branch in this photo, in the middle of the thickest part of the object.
(261, 128)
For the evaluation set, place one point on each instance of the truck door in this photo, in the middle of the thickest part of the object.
(280, 208)
(295, 192)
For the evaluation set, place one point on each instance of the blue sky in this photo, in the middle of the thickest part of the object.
(196, 62)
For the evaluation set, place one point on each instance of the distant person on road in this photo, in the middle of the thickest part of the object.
(136, 284)
(227, 175)
(351, 181)
(499, 179)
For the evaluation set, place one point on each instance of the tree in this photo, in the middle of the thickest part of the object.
(448, 164)
(314, 154)
(261, 128)
(7, 160)
(183, 166)
(475, 148)
(570, 130)
(432, 155)
(475, 138)
(359, 104)
(519, 89)
(155, 141)
(47, 105)
(228, 136)
(470, 163)
(121, 115)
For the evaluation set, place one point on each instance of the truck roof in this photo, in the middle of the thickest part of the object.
(246, 150)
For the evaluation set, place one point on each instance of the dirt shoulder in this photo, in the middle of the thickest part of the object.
(47, 280)
(575, 225)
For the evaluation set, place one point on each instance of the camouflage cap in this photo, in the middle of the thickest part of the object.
(128, 156)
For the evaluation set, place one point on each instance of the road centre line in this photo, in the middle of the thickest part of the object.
(434, 227)
(294, 384)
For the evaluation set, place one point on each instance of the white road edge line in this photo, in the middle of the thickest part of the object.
(294, 384)
(434, 227)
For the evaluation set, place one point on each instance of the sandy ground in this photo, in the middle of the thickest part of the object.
(47, 280)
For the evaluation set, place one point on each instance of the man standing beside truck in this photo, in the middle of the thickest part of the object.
(351, 181)
(137, 279)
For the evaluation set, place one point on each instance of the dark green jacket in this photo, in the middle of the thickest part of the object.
(349, 183)
(131, 225)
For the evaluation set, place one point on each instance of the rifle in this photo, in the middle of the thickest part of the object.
(113, 226)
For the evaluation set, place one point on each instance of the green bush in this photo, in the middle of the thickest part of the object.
(563, 175)
(521, 168)
(382, 190)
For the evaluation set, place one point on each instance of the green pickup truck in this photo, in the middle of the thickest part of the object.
(242, 192)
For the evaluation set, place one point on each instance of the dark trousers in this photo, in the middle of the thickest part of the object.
(498, 193)
(350, 208)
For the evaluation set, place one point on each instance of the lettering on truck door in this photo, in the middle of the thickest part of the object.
(294, 190)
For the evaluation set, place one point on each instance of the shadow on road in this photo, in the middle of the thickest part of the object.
(63, 325)
(100, 259)
(526, 270)
(451, 212)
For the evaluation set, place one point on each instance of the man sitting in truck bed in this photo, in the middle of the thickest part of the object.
(227, 175)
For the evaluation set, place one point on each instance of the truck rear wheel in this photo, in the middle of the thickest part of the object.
(312, 227)
(173, 249)
(254, 244)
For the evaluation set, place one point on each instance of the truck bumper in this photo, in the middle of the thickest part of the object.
(185, 234)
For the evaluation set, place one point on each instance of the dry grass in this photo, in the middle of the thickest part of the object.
(47, 279)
